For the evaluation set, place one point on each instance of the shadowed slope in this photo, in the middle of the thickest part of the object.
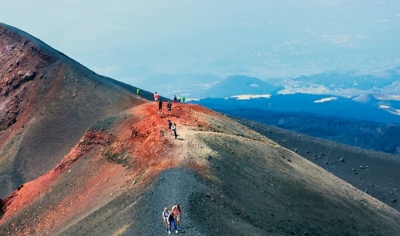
(229, 180)
(47, 101)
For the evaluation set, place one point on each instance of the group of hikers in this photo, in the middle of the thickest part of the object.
(172, 218)
(171, 126)
(179, 99)
(160, 103)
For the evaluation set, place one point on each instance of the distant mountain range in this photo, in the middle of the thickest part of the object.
(366, 121)
(238, 85)
(349, 84)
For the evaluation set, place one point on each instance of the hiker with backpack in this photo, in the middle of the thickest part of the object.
(174, 130)
(169, 106)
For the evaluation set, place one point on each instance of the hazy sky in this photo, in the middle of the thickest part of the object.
(130, 40)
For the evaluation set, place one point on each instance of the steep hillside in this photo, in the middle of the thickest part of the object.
(47, 101)
(375, 173)
(229, 180)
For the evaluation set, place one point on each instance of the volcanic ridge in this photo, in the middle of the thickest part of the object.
(82, 155)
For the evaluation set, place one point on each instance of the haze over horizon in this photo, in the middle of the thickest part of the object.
(130, 41)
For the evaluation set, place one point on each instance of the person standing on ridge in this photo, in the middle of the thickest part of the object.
(175, 99)
(183, 99)
(137, 92)
(174, 129)
(169, 106)
(171, 220)
(169, 126)
(177, 213)
(156, 97)
(160, 107)
(165, 215)
(179, 98)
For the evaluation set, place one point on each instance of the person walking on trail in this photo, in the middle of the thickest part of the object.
(177, 213)
(171, 221)
(138, 93)
(160, 107)
(174, 130)
(169, 106)
(170, 125)
(165, 215)
(156, 97)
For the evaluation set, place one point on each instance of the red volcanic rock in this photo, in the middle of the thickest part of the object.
(47, 101)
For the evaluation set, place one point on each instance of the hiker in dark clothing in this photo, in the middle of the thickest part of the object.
(169, 126)
(169, 106)
(160, 107)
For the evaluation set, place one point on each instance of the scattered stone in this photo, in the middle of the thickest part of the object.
(361, 167)
(394, 200)
(353, 169)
